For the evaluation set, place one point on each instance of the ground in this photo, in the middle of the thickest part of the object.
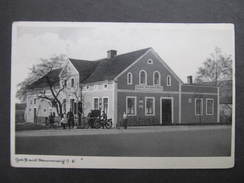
(157, 141)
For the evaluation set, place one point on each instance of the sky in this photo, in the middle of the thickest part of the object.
(184, 47)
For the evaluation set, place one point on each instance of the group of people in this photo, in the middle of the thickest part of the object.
(103, 117)
(67, 119)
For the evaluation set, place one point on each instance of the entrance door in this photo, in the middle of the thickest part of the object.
(166, 111)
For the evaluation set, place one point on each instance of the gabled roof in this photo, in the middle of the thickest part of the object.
(42, 82)
(84, 67)
(105, 69)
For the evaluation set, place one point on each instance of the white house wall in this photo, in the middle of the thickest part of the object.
(43, 106)
(99, 90)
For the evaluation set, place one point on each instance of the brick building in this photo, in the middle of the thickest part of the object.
(139, 83)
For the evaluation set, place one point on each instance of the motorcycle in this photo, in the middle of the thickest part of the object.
(103, 123)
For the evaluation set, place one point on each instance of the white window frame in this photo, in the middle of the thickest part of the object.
(140, 77)
(209, 99)
(149, 60)
(168, 79)
(129, 74)
(201, 112)
(103, 103)
(134, 97)
(159, 84)
(146, 114)
(72, 79)
(34, 101)
(94, 103)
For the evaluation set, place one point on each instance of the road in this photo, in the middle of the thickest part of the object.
(163, 141)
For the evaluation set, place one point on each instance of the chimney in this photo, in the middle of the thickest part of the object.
(189, 79)
(111, 53)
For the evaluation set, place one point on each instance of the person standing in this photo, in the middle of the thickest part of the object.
(70, 119)
(125, 120)
(64, 121)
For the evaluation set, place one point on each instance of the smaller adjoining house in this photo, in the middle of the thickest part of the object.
(139, 83)
(225, 99)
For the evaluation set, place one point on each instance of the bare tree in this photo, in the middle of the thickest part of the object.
(40, 71)
(217, 67)
(37, 72)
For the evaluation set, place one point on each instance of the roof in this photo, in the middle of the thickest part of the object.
(105, 69)
(84, 67)
(42, 82)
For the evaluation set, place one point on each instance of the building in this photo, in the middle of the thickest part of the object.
(225, 99)
(139, 83)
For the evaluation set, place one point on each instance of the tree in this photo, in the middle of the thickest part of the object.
(217, 67)
(40, 71)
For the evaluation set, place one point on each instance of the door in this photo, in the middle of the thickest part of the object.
(166, 111)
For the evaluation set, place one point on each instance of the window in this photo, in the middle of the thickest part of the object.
(198, 106)
(209, 106)
(149, 106)
(65, 82)
(149, 61)
(34, 100)
(142, 77)
(168, 80)
(95, 103)
(72, 101)
(72, 82)
(129, 78)
(75, 107)
(44, 110)
(105, 105)
(105, 86)
(131, 106)
(156, 78)
(64, 105)
(30, 101)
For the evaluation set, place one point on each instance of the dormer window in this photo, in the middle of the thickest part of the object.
(149, 61)
(129, 78)
(156, 78)
(168, 80)
(142, 77)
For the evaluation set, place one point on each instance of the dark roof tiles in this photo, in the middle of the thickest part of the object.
(93, 71)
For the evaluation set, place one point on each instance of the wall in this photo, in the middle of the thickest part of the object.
(188, 109)
(100, 90)
(141, 111)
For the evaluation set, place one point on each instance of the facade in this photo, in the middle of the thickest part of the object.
(139, 83)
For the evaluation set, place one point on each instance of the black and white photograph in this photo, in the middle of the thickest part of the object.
(122, 95)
